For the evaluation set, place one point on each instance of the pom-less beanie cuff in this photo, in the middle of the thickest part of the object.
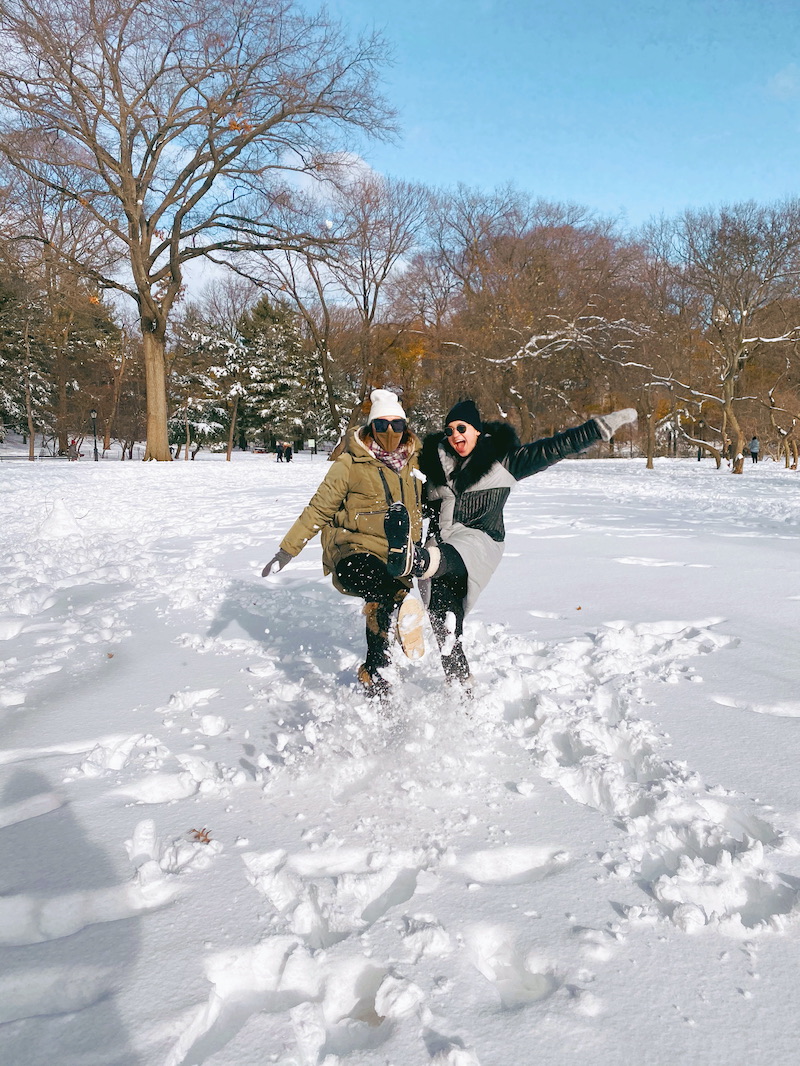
(465, 411)
(385, 404)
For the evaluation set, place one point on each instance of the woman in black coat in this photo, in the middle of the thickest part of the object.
(471, 469)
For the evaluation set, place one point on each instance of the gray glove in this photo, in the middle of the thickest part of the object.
(276, 563)
(609, 424)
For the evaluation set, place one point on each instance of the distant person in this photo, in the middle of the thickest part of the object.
(287, 453)
(755, 448)
(72, 450)
(279, 452)
(194, 448)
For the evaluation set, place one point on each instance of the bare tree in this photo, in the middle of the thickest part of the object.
(303, 278)
(59, 234)
(544, 315)
(173, 123)
(743, 263)
(372, 224)
(381, 219)
(423, 298)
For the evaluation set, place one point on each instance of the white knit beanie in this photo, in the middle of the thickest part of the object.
(385, 404)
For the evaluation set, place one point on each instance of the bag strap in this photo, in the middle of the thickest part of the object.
(386, 492)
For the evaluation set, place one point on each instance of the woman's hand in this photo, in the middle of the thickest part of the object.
(609, 424)
(276, 563)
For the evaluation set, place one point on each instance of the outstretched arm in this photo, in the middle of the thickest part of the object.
(539, 454)
(321, 508)
(531, 458)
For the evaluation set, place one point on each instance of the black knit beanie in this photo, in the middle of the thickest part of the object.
(465, 411)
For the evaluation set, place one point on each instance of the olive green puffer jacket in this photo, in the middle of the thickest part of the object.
(349, 506)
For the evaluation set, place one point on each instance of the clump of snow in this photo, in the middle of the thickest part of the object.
(60, 523)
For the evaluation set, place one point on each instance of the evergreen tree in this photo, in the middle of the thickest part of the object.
(196, 412)
(289, 400)
(25, 372)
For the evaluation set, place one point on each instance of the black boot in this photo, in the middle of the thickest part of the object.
(456, 668)
(375, 684)
(448, 598)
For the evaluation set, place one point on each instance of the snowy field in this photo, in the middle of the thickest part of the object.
(598, 862)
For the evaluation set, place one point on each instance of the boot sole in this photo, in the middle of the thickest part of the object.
(397, 528)
(409, 628)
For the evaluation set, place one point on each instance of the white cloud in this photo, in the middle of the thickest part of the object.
(785, 85)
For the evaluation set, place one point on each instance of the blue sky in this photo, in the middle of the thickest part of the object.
(632, 109)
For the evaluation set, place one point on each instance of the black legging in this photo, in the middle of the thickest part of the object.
(366, 576)
(448, 590)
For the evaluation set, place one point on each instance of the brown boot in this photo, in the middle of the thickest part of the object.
(377, 617)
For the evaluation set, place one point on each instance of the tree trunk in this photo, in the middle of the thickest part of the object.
(62, 369)
(737, 459)
(61, 416)
(31, 427)
(156, 381)
(28, 398)
(522, 406)
(118, 374)
(233, 427)
(324, 362)
(651, 440)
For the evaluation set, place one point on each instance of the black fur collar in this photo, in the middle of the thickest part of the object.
(496, 441)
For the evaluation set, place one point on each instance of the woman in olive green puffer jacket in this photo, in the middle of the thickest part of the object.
(377, 468)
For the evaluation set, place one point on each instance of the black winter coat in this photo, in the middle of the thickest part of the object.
(465, 497)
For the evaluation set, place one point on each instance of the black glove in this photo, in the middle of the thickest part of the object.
(276, 563)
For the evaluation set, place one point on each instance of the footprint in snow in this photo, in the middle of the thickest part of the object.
(703, 862)
(33, 807)
(448, 1050)
(518, 980)
(327, 895)
(598, 944)
(53, 990)
(631, 560)
(782, 709)
(512, 865)
(425, 937)
(337, 1006)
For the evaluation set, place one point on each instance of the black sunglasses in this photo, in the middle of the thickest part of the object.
(460, 428)
(382, 424)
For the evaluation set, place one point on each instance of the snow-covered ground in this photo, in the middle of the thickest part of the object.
(214, 850)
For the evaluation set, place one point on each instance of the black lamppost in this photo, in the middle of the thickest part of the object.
(93, 416)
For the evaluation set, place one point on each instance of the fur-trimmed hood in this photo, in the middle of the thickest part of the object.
(496, 442)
